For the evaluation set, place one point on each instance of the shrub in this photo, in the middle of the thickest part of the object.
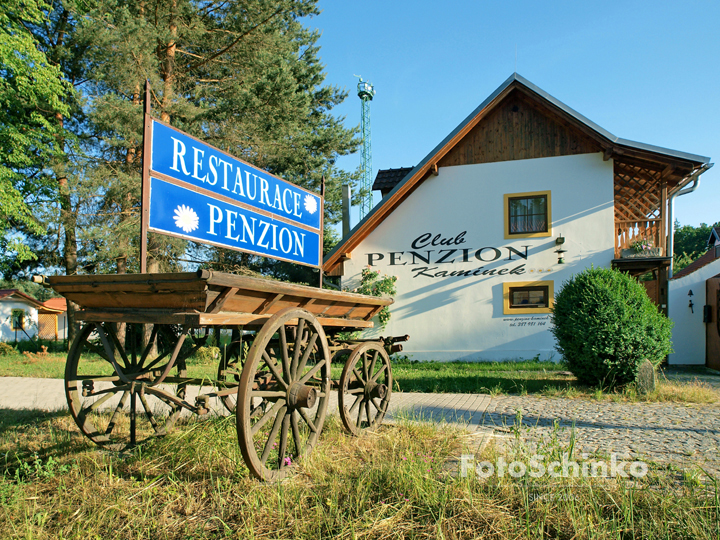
(372, 283)
(606, 325)
(6, 349)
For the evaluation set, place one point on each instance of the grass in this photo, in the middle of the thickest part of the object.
(400, 482)
(496, 378)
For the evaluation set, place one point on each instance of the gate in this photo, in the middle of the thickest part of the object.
(712, 323)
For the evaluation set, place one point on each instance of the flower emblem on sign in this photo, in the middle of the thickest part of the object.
(186, 218)
(310, 204)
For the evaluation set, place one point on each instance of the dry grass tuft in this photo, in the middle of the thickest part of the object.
(398, 482)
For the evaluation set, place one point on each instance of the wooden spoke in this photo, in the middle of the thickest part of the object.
(365, 366)
(273, 367)
(118, 410)
(358, 401)
(267, 416)
(148, 347)
(307, 420)
(308, 351)
(270, 443)
(296, 347)
(367, 391)
(301, 367)
(372, 364)
(284, 352)
(148, 412)
(268, 394)
(95, 404)
(230, 367)
(118, 347)
(358, 421)
(296, 432)
(313, 371)
(358, 376)
(380, 372)
(282, 448)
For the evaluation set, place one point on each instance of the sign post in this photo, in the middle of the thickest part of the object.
(195, 191)
(145, 193)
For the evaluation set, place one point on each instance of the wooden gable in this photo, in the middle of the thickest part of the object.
(519, 127)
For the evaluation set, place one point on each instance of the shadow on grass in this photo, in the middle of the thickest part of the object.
(11, 418)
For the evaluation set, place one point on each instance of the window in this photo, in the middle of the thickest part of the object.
(527, 215)
(522, 297)
(18, 319)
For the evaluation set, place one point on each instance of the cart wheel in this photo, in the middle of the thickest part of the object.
(283, 393)
(365, 387)
(110, 395)
(230, 368)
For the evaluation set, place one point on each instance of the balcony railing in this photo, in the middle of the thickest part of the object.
(629, 232)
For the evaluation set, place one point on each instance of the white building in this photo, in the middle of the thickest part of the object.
(520, 196)
(18, 315)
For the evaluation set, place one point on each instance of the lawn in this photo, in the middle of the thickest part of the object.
(520, 377)
(399, 482)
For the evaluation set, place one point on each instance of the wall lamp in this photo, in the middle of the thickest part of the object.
(559, 241)
(690, 305)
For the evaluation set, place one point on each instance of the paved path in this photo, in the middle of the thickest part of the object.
(662, 432)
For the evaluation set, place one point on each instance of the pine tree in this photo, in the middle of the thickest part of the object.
(243, 76)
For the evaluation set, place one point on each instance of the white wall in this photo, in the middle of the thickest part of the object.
(451, 318)
(62, 325)
(31, 317)
(688, 333)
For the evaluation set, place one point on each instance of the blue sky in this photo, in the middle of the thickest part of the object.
(645, 71)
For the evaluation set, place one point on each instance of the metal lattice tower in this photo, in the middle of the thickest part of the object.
(366, 93)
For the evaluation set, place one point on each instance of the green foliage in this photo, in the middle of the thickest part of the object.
(35, 290)
(681, 261)
(606, 325)
(690, 243)
(6, 349)
(372, 283)
(32, 92)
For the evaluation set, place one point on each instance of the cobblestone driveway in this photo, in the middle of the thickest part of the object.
(662, 432)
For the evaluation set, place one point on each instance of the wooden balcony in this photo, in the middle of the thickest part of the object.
(628, 232)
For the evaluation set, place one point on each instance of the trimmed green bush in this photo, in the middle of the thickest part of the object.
(606, 325)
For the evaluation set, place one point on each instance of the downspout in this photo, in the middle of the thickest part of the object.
(695, 179)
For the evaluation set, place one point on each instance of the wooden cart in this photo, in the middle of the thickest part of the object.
(126, 378)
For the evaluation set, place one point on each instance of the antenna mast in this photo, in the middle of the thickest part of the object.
(366, 93)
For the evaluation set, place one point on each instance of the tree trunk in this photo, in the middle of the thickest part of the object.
(168, 63)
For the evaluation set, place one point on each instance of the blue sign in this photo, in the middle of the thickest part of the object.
(179, 211)
(184, 158)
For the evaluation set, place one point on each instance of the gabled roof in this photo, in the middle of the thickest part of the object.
(706, 259)
(610, 144)
(14, 293)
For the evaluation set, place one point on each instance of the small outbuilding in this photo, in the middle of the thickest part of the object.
(695, 309)
(18, 315)
(524, 193)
